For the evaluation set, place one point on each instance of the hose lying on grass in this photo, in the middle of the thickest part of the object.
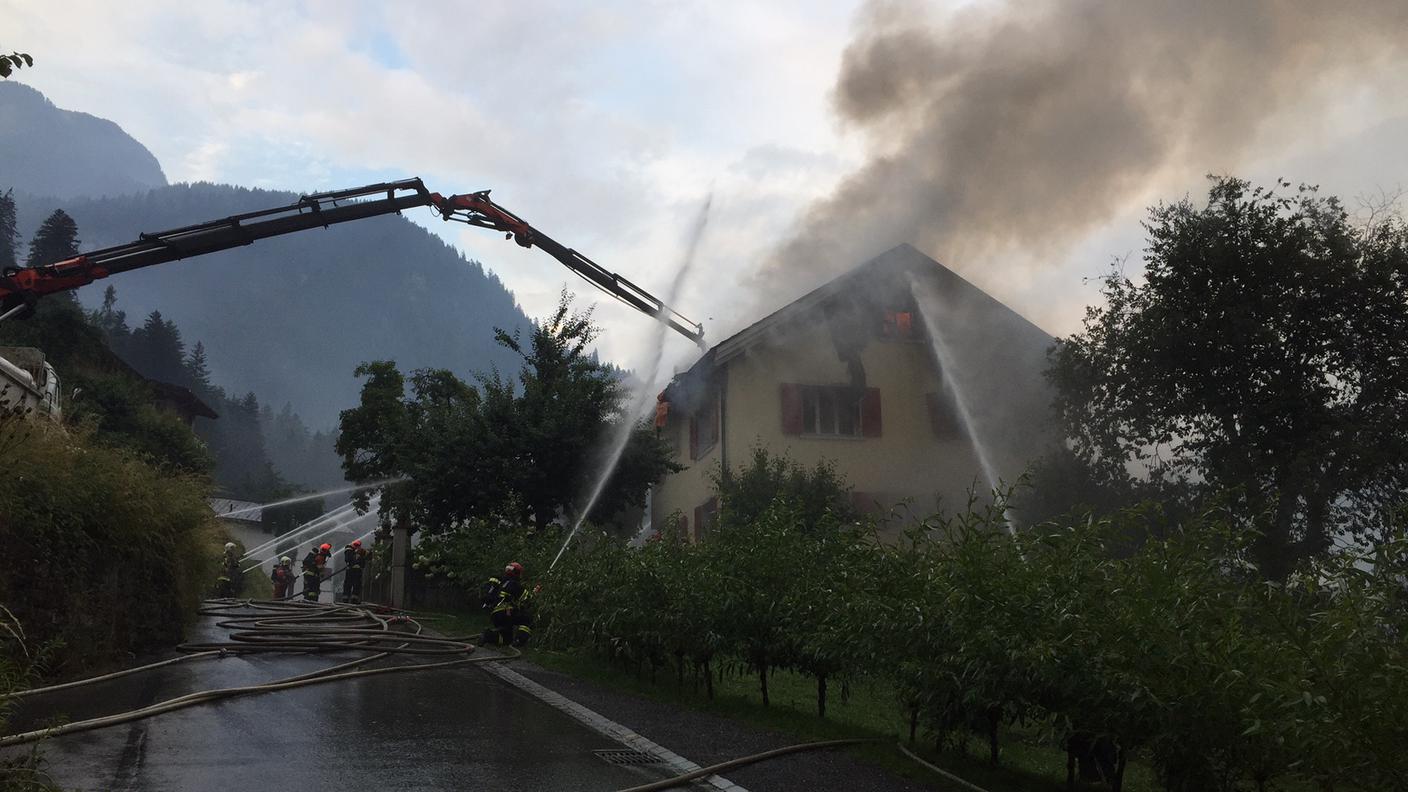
(297, 627)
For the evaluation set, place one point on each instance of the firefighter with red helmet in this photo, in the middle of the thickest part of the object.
(354, 560)
(313, 565)
(503, 597)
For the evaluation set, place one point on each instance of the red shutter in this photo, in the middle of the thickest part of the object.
(693, 437)
(870, 413)
(791, 409)
(698, 523)
(684, 529)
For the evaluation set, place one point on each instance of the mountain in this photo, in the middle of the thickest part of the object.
(291, 317)
(288, 318)
(48, 151)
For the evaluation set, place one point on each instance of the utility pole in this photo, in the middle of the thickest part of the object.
(400, 552)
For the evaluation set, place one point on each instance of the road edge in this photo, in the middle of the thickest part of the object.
(605, 726)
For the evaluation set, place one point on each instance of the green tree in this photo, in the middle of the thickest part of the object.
(1265, 353)
(56, 240)
(197, 370)
(15, 60)
(9, 233)
(523, 449)
(818, 496)
(156, 350)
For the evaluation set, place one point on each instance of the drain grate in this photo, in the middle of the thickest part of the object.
(623, 756)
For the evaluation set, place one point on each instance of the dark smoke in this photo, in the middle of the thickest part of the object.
(1011, 132)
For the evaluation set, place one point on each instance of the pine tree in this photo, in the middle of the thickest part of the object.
(157, 351)
(9, 234)
(112, 322)
(56, 240)
(198, 371)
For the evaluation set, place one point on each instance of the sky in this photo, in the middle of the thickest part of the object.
(608, 125)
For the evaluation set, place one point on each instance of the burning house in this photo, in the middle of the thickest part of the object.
(918, 387)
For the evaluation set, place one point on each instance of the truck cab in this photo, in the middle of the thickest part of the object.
(29, 383)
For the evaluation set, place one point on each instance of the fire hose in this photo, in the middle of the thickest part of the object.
(296, 627)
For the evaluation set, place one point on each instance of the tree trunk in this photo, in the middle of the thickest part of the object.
(994, 718)
(913, 721)
(708, 680)
(679, 671)
(821, 695)
(1070, 767)
(763, 681)
(1117, 784)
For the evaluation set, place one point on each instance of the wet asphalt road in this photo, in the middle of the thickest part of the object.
(457, 729)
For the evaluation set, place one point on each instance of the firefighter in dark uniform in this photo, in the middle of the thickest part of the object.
(313, 564)
(354, 560)
(501, 596)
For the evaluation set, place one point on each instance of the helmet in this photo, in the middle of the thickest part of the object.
(325, 546)
(285, 560)
(514, 569)
(229, 545)
(356, 542)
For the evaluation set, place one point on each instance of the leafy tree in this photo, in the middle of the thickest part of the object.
(819, 495)
(15, 60)
(112, 322)
(522, 449)
(9, 233)
(1265, 353)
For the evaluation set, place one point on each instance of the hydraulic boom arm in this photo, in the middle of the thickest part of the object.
(21, 288)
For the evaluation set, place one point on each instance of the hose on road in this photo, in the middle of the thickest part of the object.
(287, 627)
(705, 772)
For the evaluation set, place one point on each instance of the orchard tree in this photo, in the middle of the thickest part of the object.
(1262, 357)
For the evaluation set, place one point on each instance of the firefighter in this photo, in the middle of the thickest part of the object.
(313, 565)
(283, 578)
(501, 598)
(522, 616)
(225, 585)
(354, 560)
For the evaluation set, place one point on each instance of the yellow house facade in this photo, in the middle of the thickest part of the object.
(917, 386)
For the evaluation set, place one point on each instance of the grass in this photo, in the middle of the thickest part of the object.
(1027, 764)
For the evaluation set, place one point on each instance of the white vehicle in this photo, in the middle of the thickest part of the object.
(28, 381)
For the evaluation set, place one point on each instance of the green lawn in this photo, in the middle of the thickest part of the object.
(1028, 765)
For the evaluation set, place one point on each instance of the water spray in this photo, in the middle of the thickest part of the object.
(641, 399)
(924, 296)
(301, 498)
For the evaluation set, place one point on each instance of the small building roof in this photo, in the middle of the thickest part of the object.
(231, 509)
(182, 398)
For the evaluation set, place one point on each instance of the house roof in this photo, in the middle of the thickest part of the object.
(231, 509)
(892, 265)
(183, 398)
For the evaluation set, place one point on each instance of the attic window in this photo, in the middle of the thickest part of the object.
(898, 325)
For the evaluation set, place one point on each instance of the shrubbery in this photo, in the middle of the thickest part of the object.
(105, 555)
(1178, 652)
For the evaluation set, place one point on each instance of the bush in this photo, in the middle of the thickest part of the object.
(104, 554)
(1176, 651)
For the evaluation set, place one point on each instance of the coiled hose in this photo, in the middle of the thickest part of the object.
(288, 626)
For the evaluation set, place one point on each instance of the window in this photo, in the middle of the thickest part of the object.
(704, 516)
(704, 427)
(830, 411)
(898, 325)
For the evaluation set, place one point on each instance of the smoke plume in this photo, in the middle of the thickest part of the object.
(1007, 133)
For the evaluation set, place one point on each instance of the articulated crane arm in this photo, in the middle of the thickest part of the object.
(21, 288)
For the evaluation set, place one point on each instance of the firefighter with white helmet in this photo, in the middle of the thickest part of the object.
(282, 576)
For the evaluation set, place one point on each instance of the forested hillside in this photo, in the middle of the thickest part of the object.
(291, 317)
